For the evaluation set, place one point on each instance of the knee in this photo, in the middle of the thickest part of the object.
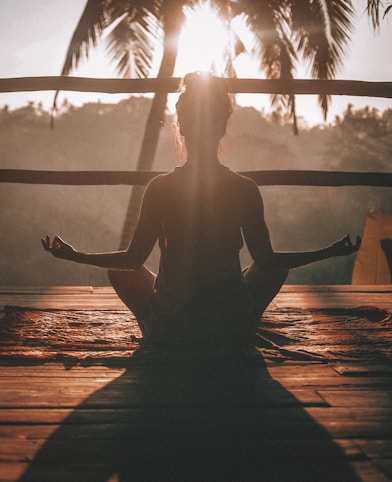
(115, 276)
(279, 275)
(140, 280)
(254, 275)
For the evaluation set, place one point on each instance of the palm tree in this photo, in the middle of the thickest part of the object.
(286, 31)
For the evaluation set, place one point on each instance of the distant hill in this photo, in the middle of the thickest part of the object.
(100, 136)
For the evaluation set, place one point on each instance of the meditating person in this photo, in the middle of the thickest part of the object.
(201, 214)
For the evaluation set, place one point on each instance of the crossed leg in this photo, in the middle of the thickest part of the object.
(133, 288)
(263, 285)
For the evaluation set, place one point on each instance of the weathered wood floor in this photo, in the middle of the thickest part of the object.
(166, 420)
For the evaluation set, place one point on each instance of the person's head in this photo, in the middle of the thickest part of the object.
(203, 108)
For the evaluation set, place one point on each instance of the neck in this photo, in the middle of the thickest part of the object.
(202, 153)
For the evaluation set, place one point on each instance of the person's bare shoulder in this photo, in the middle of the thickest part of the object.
(244, 184)
(160, 182)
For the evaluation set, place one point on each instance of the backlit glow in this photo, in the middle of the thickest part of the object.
(205, 41)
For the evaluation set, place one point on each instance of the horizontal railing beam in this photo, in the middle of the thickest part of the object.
(170, 84)
(262, 178)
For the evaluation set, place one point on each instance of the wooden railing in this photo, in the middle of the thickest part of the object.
(133, 178)
(170, 84)
(116, 86)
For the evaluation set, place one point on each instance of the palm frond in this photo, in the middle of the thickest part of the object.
(387, 10)
(234, 46)
(323, 30)
(92, 23)
(269, 22)
(97, 16)
(373, 11)
(90, 27)
(260, 20)
(131, 43)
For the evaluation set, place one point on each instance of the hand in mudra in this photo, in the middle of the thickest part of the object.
(344, 246)
(59, 248)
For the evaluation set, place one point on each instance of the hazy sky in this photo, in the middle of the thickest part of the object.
(34, 35)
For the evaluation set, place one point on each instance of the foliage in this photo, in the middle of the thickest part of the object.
(285, 31)
(362, 140)
(374, 8)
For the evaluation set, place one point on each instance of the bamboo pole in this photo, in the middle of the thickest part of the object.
(262, 178)
(170, 84)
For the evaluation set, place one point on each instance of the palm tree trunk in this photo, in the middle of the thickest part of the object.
(294, 115)
(155, 120)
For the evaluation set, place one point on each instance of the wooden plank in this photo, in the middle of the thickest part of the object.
(350, 414)
(332, 374)
(162, 426)
(114, 397)
(288, 370)
(368, 471)
(328, 383)
(90, 450)
(361, 370)
(356, 429)
(56, 370)
(280, 459)
(63, 302)
(357, 398)
(55, 416)
(385, 466)
(327, 300)
(303, 457)
(104, 297)
(13, 471)
(365, 289)
(374, 448)
(333, 300)
(49, 290)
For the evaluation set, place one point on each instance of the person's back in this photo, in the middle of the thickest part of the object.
(201, 227)
(199, 290)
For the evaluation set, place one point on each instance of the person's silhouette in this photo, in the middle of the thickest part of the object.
(200, 213)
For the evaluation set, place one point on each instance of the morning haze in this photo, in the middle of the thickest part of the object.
(101, 136)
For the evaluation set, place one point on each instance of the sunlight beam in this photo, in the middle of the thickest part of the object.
(204, 41)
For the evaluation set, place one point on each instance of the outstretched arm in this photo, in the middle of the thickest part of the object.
(111, 260)
(145, 236)
(343, 247)
(258, 240)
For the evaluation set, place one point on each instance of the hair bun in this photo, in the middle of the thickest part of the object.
(198, 79)
(204, 81)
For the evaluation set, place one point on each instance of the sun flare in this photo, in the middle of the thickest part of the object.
(204, 43)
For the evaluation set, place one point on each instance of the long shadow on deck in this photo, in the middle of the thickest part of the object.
(215, 420)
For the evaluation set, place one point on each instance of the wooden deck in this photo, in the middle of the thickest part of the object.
(147, 419)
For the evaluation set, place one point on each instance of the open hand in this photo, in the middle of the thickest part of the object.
(344, 246)
(59, 248)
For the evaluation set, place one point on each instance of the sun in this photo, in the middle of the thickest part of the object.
(205, 41)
